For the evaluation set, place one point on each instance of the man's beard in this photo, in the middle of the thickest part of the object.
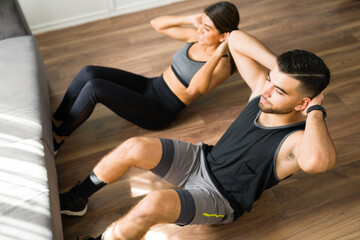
(283, 110)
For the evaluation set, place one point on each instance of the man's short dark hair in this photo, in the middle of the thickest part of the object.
(309, 69)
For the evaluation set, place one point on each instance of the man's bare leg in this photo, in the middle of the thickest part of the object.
(138, 152)
(157, 207)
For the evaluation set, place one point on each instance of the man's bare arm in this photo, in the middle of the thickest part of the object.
(316, 152)
(252, 58)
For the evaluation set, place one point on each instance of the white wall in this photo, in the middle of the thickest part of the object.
(47, 15)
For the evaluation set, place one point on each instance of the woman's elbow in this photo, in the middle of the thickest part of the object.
(155, 24)
(235, 37)
(195, 92)
(191, 92)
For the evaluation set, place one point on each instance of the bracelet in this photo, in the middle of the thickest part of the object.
(317, 107)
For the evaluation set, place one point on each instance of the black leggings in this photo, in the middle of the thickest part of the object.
(146, 102)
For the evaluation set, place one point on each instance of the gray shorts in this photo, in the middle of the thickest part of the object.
(183, 164)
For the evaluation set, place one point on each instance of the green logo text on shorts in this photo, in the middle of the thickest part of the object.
(212, 215)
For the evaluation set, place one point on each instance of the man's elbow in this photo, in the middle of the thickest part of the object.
(319, 164)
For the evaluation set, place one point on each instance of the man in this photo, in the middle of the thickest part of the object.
(280, 131)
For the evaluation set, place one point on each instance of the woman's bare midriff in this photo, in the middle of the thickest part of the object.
(176, 86)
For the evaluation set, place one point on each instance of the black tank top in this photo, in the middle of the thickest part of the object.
(242, 164)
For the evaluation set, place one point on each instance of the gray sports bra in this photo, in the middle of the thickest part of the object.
(183, 66)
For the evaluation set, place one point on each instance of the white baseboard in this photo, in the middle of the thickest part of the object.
(113, 10)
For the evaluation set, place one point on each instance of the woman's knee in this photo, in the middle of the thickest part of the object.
(89, 71)
(85, 74)
(93, 90)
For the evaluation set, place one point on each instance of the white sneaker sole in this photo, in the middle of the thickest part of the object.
(70, 213)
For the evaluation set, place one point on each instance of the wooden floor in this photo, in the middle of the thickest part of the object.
(325, 206)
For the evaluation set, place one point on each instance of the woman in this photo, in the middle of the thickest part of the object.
(153, 103)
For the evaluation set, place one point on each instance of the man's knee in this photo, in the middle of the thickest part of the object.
(159, 206)
(134, 147)
(141, 152)
(151, 204)
(147, 213)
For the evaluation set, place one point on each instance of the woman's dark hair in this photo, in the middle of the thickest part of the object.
(226, 18)
(309, 69)
(224, 15)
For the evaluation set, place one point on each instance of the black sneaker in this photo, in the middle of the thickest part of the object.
(72, 204)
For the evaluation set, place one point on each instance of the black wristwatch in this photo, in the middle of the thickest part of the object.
(317, 107)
